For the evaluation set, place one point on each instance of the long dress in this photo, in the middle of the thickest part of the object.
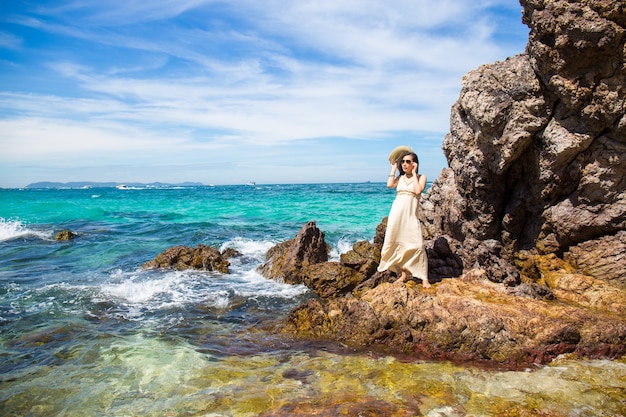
(403, 247)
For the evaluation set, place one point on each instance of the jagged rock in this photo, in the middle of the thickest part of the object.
(537, 143)
(205, 258)
(473, 317)
(364, 257)
(286, 260)
(374, 281)
(301, 260)
(65, 235)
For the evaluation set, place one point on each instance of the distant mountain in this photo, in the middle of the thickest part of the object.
(84, 184)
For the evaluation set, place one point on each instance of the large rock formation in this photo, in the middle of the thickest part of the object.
(532, 208)
(537, 143)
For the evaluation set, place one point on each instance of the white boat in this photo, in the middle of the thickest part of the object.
(121, 187)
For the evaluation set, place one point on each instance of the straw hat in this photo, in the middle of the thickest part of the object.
(400, 150)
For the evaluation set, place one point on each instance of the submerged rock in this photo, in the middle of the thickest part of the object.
(65, 235)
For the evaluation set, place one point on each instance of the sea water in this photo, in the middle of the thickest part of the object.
(85, 331)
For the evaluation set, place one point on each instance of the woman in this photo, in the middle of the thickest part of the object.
(403, 248)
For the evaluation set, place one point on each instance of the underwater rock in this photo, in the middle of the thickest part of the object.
(65, 235)
(344, 405)
(204, 258)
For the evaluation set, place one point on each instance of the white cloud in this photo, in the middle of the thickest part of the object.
(184, 78)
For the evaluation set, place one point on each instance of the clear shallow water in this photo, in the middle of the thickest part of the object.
(85, 331)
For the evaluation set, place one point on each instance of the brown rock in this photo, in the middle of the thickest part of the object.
(286, 260)
(364, 257)
(205, 258)
(603, 258)
(330, 279)
(231, 253)
(463, 319)
(566, 283)
(537, 143)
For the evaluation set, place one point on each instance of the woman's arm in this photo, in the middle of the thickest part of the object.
(419, 185)
(392, 180)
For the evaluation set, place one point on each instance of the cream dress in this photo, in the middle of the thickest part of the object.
(403, 248)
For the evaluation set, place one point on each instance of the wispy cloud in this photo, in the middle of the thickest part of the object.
(191, 78)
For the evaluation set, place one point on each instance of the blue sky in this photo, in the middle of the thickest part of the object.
(226, 92)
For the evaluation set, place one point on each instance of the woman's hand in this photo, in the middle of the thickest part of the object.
(391, 180)
(414, 168)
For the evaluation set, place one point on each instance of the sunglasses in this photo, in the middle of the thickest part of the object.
(407, 161)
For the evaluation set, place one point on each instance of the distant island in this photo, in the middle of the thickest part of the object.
(91, 184)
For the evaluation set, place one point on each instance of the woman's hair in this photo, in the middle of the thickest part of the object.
(413, 156)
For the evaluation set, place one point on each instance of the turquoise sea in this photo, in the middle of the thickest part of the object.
(84, 331)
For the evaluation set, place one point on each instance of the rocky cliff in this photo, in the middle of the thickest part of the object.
(537, 143)
(528, 222)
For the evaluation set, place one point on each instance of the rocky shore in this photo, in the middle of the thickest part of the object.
(526, 229)
(527, 226)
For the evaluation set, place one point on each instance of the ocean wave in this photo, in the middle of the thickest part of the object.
(153, 291)
(343, 245)
(149, 291)
(14, 229)
(249, 247)
(253, 285)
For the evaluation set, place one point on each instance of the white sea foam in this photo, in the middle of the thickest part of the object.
(249, 247)
(14, 229)
(343, 246)
(253, 285)
(150, 291)
(157, 291)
